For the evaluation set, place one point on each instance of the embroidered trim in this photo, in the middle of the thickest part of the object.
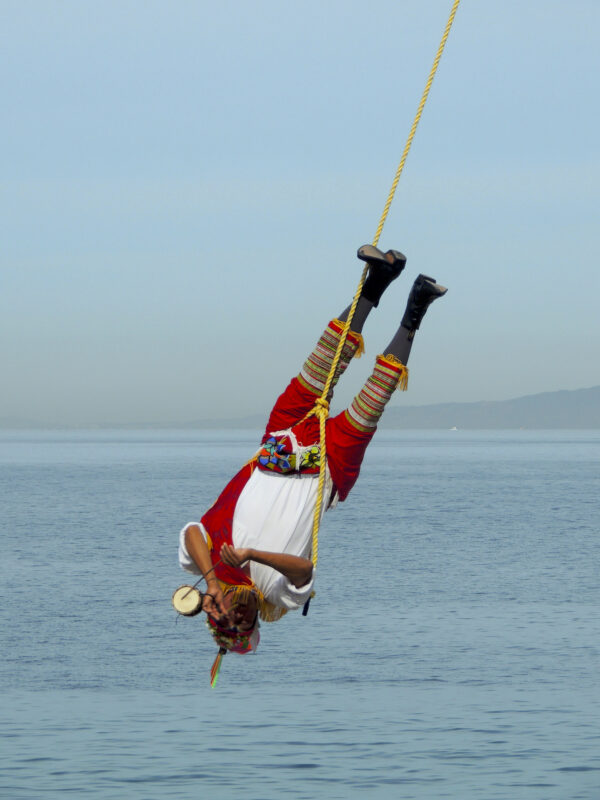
(368, 405)
(315, 370)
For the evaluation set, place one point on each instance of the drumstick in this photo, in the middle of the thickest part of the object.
(203, 578)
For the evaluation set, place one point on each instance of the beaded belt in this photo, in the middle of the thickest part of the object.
(275, 454)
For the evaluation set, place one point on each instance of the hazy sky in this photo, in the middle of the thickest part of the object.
(185, 186)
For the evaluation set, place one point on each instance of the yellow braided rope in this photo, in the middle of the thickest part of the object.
(417, 118)
(321, 408)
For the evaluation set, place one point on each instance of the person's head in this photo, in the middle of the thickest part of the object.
(236, 631)
(241, 604)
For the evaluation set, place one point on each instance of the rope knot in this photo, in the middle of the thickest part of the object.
(322, 406)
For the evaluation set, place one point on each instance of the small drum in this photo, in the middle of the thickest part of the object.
(187, 600)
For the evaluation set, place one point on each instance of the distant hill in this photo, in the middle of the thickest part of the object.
(579, 409)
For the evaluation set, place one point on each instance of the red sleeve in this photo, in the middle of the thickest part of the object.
(218, 522)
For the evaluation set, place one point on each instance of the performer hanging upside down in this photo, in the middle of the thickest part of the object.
(253, 545)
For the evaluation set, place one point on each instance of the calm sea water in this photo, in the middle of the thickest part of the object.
(452, 650)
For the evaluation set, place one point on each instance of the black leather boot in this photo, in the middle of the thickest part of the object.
(424, 291)
(383, 269)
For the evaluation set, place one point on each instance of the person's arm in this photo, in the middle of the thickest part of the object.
(296, 569)
(198, 550)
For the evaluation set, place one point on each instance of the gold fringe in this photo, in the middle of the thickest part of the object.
(361, 342)
(403, 375)
(267, 611)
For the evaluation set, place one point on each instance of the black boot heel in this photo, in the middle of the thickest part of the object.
(424, 291)
(383, 269)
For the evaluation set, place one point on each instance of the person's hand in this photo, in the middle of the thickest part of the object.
(234, 556)
(213, 601)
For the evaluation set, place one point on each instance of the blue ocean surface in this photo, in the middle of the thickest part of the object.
(452, 649)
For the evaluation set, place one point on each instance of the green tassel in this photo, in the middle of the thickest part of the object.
(216, 667)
